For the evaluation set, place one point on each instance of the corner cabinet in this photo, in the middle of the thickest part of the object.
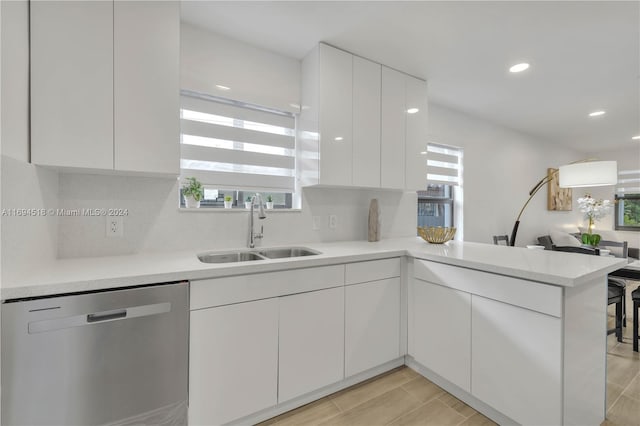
(354, 128)
(503, 342)
(105, 85)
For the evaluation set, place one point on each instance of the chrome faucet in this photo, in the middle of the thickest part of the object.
(261, 215)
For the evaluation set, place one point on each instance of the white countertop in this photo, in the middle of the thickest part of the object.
(82, 274)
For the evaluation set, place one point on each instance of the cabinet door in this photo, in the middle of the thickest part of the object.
(516, 362)
(233, 361)
(72, 83)
(146, 86)
(366, 123)
(441, 332)
(416, 136)
(372, 324)
(393, 117)
(335, 115)
(311, 342)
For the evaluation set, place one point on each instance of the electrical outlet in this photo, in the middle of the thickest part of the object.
(114, 226)
(316, 223)
(333, 221)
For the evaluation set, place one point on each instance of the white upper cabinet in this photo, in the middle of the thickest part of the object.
(416, 134)
(104, 78)
(146, 86)
(336, 135)
(366, 123)
(72, 84)
(393, 122)
(353, 128)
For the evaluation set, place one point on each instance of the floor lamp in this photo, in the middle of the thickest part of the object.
(582, 173)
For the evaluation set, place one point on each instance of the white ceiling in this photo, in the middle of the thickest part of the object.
(584, 56)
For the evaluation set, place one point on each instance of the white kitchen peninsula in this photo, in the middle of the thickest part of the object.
(518, 334)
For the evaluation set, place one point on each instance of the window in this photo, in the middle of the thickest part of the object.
(627, 210)
(440, 204)
(236, 150)
(435, 206)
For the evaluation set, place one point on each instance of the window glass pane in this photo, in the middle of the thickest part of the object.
(627, 215)
(435, 206)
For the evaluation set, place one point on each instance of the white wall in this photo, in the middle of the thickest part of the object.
(628, 159)
(155, 223)
(254, 75)
(26, 241)
(500, 167)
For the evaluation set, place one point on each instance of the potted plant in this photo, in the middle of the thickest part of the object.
(269, 202)
(247, 203)
(193, 192)
(228, 202)
(593, 210)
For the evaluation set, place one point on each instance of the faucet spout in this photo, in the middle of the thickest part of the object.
(253, 236)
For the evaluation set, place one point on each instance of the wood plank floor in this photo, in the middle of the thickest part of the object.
(403, 397)
(623, 380)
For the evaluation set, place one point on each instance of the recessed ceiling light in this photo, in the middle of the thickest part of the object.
(597, 113)
(412, 110)
(519, 67)
(221, 87)
(423, 152)
(338, 138)
(635, 138)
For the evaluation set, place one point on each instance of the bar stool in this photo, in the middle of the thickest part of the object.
(635, 296)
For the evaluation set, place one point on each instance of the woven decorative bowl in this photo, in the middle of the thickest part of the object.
(436, 235)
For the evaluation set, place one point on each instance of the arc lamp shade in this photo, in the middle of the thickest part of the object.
(589, 173)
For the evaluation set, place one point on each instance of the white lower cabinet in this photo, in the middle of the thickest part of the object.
(517, 361)
(311, 351)
(233, 361)
(372, 324)
(442, 331)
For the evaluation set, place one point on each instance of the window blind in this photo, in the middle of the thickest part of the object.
(228, 144)
(628, 182)
(444, 164)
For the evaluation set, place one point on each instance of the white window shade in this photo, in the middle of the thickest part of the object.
(628, 182)
(227, 144)
(444, 164)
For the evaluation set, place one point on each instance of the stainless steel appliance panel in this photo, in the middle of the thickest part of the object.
(114, 357)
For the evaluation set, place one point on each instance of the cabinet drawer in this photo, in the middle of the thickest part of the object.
(527, 294)
(373, 270)
(242, 288)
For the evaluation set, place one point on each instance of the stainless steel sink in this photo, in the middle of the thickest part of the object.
(250, 255)
(283, 252)
(229, 257)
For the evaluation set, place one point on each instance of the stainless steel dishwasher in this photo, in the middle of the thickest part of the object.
(107, 357)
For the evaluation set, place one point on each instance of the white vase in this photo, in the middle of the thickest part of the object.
(191, 203)
(269, 205)
(247, 205)
(228, 204)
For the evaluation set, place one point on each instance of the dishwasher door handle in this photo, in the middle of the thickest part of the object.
(131, 312)
(107, 315)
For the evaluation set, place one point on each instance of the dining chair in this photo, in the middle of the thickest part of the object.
(635, 296)
(498, 238)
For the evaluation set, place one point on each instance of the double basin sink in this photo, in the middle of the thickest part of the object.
(261, 254)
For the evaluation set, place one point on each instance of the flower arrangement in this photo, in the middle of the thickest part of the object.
(593, 210)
